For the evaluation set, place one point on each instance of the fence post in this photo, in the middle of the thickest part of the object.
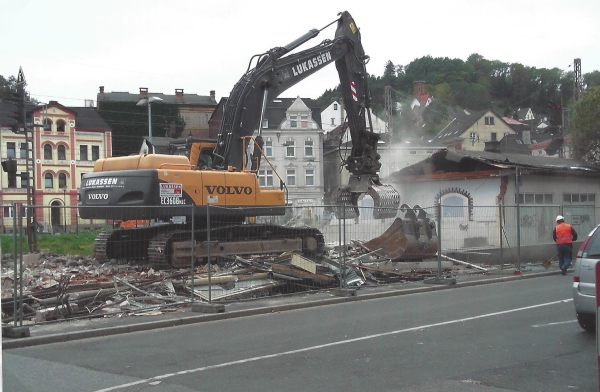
(518, 180)
(15, 276)
(500, 233)
(21, 235)
(339, 215)
(439, 240)
(193, 255)
(344, 255)
(208, 250)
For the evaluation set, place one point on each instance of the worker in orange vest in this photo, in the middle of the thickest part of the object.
(564, 234)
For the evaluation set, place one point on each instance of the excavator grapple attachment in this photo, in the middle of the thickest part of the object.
(347, 203)
(411, 237)
(386, 199)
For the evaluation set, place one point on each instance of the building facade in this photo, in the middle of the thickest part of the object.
(294, 147)
(195, 109)
(66, 143)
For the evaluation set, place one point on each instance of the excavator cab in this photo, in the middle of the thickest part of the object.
(199, 151)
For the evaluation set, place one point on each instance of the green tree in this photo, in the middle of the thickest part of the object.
(585, 127)
(6, 87)
(443, 93)
(591, 79)
(329, 96)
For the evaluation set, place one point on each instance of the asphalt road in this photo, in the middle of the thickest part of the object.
(513, 336)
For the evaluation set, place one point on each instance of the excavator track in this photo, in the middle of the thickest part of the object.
(126, 244)
(174, 248)
(170, 246)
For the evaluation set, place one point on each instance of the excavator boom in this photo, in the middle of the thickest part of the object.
(276, 71)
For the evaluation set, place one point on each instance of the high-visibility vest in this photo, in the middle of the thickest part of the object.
(563, 234)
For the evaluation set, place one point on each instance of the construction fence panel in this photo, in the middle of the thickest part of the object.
(583, 218)
(14, 218)
(530, 224)
(224, 255)
(468, 227)
(12, 247)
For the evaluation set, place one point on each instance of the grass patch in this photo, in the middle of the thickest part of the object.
(64, 244)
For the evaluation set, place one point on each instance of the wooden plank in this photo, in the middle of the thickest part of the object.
(300, 273)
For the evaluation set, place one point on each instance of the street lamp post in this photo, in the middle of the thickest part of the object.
(148, 101)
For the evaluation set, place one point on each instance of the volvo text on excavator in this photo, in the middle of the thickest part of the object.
(224, 173)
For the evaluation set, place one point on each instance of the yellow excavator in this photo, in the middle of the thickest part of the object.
(221, 172)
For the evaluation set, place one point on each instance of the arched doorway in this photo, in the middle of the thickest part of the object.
(56, 216)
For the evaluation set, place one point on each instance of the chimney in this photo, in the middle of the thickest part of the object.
(212, 95)
(418, 88)
(143, 92)
(179, 95)
(526, 137)
(101, 95)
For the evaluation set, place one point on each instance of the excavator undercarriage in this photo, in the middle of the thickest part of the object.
(171, 245)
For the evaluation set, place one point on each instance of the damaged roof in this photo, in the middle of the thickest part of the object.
(463, 161)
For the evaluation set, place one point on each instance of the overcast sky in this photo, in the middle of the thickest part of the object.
(69, 48)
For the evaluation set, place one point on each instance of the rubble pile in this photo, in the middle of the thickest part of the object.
(57, 287)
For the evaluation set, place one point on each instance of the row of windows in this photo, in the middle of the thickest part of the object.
(265, 177)
(290, 148)
(83, 152)
(546, 198)
(11, 151)
(60, 125)
(8, 212)
(535, 198)
(473, 136)
(579, 198)
(48, 180)
(293, 121)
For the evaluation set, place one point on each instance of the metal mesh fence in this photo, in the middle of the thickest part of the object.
(224, 255)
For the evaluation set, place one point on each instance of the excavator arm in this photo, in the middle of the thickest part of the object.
(276, 71)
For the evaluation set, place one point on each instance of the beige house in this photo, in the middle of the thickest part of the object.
(472, 130)
(66, 142)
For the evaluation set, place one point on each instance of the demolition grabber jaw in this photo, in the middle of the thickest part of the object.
(386, 199)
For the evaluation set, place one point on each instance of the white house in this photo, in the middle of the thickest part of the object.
(334, 115)
(477, 192)
(293, 144)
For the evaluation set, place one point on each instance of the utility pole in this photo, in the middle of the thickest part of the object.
(577, 86)
(29, 133)
(389, 127)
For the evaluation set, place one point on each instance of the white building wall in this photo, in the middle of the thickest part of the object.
(333, 116)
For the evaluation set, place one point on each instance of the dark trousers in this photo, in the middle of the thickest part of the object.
(564, 255)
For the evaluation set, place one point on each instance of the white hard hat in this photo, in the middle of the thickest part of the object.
(559, 218)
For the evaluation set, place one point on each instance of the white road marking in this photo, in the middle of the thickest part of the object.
(551, 324)
(301, 350)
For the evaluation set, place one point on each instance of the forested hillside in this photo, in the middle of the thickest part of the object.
(474, 84)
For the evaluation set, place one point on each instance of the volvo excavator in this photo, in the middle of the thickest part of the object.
(223, 172)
